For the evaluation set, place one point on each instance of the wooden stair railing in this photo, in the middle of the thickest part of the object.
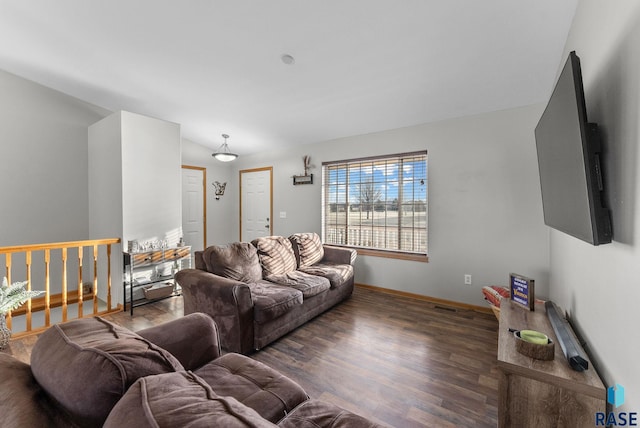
(67, 296)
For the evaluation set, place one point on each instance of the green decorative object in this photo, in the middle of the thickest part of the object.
(12, 297)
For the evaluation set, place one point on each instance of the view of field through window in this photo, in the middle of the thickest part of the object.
(378, 203)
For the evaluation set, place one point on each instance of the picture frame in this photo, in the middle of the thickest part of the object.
(522, 291)
(302, 179)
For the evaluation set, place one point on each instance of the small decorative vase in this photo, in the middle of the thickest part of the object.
(5, 333)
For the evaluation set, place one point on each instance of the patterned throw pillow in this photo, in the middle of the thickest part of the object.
(494, 294)
(309, 248)
(276, 255)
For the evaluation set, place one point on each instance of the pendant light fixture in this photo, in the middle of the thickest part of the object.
(223, 154)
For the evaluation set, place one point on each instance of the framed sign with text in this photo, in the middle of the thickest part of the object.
(521, 291)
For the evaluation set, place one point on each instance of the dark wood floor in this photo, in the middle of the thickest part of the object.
(399, 361)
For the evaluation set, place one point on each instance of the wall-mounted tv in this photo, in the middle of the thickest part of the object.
(569, 162)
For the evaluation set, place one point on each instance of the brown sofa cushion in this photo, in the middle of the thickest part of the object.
(238, 261)
(254, 384)
(271, 301)
(23, 403)
(87, 365)
(309, 285)
(276, 255)
(319, 414)
(308, 248)
(179, 400)
(337, 274)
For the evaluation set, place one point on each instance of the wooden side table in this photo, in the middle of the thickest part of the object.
(536, 393)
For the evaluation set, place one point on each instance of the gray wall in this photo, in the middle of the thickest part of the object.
(43, 174)
(220, 212)
(105, 178)
(43, 168)
(485, 210)
(598, 286)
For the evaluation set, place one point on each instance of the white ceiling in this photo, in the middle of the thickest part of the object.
(361, 66)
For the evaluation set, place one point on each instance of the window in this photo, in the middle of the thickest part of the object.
(377, 204)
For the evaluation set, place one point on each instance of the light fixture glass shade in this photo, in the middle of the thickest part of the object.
(223, 154)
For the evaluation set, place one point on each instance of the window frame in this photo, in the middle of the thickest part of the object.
(386, 160)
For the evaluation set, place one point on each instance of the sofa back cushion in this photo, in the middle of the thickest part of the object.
(308, 248)
(238, 261)
(276, 255)
(180, 400)
(87, 365)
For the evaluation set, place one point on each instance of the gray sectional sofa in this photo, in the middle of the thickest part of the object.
(259, 291)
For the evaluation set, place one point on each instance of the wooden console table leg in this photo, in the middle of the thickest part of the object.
(503, 399)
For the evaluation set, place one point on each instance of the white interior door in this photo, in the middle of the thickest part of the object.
(255, 203)
(193, 207)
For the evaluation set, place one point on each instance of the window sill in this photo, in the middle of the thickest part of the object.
(392, 254)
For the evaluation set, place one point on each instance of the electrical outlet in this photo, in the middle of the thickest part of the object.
(467, 279)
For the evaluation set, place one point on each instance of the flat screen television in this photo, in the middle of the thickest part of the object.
(569, 162)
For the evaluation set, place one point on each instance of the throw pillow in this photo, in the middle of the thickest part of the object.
(495, 293)
(309, 248)
(276, 255)
(238, 261)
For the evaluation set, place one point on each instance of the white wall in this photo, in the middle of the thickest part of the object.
(151, 179)
(43, 163)
(485, 209)
(598, 286)
(220, 212)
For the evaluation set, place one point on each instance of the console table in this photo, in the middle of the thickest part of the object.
(156, 267)
(536, 393)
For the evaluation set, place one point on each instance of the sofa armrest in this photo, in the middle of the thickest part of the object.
(227, 301)
(339, 255)
(192, 339)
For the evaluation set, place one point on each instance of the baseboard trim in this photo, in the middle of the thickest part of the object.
(430, 299)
